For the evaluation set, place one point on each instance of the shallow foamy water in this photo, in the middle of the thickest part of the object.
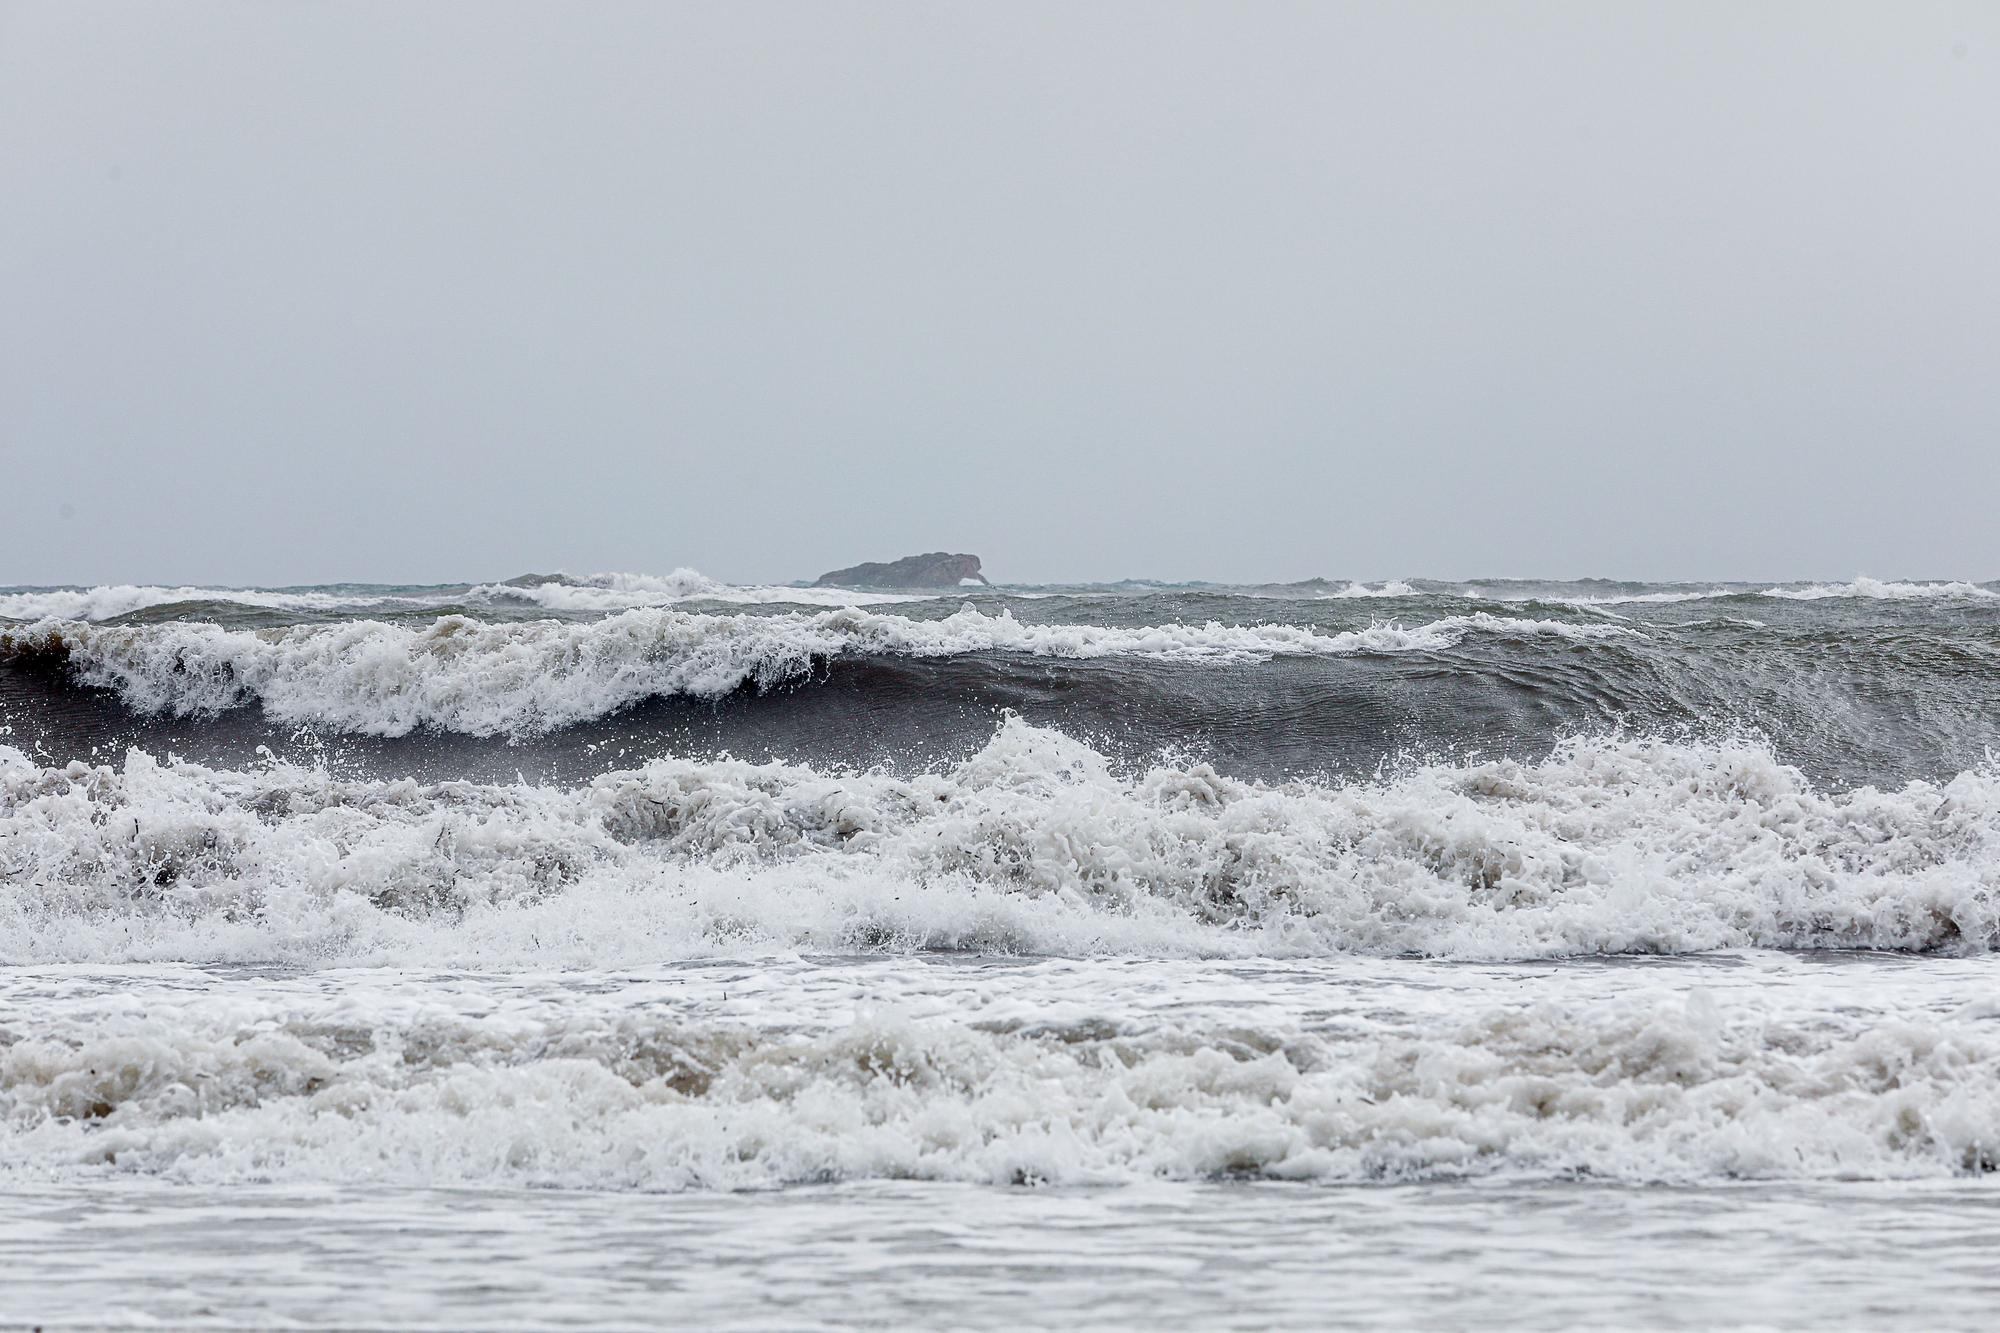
(954, 1141)
(903, 1254)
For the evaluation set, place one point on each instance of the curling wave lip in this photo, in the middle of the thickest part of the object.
(527, 678)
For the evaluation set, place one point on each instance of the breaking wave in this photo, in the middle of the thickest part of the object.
(1885, 591)
(526, 678)
(1393, 588)
(598, 594)
(556, 592)
(623, 592)
(111, 601)
(1037, 844)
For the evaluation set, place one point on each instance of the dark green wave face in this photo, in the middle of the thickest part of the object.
(1873, 681)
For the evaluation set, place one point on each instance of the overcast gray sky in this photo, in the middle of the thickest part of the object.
(311, 292)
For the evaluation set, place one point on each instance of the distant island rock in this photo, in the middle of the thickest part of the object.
(936, 570)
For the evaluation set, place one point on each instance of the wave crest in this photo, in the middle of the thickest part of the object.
(111, 601)
(561, 593)
(1886, 590)
(527, 678)
(624, 592)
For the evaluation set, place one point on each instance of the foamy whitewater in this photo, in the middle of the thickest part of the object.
(1006, 957)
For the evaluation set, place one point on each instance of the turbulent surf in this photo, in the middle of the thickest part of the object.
(637, 882)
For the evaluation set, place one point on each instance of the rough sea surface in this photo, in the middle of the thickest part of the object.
(611, 950)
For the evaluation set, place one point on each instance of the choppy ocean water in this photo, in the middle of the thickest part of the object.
(605, 950)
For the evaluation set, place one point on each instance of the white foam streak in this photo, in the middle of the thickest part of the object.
(518, 679)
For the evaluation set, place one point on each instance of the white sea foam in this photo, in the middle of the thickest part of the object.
(523, 678)
(1393, 588)
(1863, 588)
(594, 593)
(621, 592)
(779, 1076)
(1035, 845)
(1556, 595)
(103, 603)
(612, 592)
(558, 1050)
(1639, 598)
(1886, 590)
